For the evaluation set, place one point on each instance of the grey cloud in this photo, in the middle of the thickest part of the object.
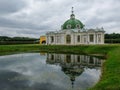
(42, 0)
(10, 6)
(40, 16)
(22, 25)
(13, 32)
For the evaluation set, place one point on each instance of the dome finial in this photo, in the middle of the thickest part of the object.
(72, 10)
(72, 16)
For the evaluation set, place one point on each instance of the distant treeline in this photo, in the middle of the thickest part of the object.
(112, 38)
(109, 38)
(17, 40)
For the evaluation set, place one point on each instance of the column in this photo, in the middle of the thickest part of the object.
(46, 40)
(94, 38)
(88, 38)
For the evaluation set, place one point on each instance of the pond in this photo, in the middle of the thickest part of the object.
(49, 71)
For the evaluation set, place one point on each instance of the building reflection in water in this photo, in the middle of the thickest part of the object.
(73, 65)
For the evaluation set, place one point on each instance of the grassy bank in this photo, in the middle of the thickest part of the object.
(92, 49)
(110, 79)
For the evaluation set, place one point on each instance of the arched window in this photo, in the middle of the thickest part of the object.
(68, 26)
(52, 57)
(91, 36)
(78, 38)
(78, 26)
(78, 59)
(91, 60)
(68, 58)
(52, 39)
(68, 39)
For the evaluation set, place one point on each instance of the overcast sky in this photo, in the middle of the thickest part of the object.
(32, 18)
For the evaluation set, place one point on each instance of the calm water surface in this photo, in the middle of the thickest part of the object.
(39, 71)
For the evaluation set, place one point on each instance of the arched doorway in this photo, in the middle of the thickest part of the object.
(68, 39)
(43, 42)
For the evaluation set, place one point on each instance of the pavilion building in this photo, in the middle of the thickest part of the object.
(73, 32)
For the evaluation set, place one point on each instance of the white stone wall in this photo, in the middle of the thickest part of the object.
(60, 37)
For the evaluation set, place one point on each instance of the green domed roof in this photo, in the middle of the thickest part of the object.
(72, 23)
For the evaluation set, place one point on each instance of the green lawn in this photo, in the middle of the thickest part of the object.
(110, 79)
